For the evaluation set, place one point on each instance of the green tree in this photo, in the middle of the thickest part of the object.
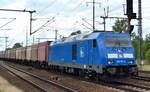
(147, 39)
(135, 42)
(120, 26)
(135, 46)
(17, 45)
(8, 49)
(146, 46)
(148, 55)
(134, 36)
(75, 33)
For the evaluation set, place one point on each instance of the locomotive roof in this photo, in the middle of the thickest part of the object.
(79, 37)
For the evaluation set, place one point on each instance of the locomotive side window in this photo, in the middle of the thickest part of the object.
(94, 44)
(74, 52)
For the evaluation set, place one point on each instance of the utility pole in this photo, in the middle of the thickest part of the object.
(56, 34)
(26, 36)
(33, 39)
(106, 17)
(140, 29)
(93, 15)
(94, 12)
(6, 40)
(104, 21)
(31, 12)
(31, 22)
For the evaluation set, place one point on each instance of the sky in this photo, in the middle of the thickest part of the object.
(66, 16)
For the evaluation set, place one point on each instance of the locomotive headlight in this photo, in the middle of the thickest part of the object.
(110, 62)
(130, 62)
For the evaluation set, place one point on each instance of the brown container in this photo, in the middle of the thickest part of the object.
(13, 54)
(18, 53)
(2, 55)
(28, 53)
(8, 54)
(34, 52)
(43, 50)
(23, 53)
(5, 54)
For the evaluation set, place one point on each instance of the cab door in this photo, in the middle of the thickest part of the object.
(92, 51)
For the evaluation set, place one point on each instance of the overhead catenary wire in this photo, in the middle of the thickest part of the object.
(71, 10)
(8, 22)
(76, 7)
(59, 12)
(56, 15)
(49, 21)
(48, 6)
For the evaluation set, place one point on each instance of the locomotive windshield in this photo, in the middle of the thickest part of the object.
(117, 42)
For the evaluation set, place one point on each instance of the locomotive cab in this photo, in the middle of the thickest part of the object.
(119, 55)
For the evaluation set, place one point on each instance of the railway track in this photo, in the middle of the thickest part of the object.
(148, 72)
(133, 87)
(122, 86)
(143, 78)
(127, 87)
(41, 84)
(118, 87)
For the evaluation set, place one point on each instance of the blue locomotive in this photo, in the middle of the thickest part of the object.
(95, 54)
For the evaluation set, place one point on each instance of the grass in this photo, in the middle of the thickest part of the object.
(145, 68)
(1, 90)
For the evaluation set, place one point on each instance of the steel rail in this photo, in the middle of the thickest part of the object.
(133, 85)
(144, 71)
(30, 82)
(48, 81)
(143, 78)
